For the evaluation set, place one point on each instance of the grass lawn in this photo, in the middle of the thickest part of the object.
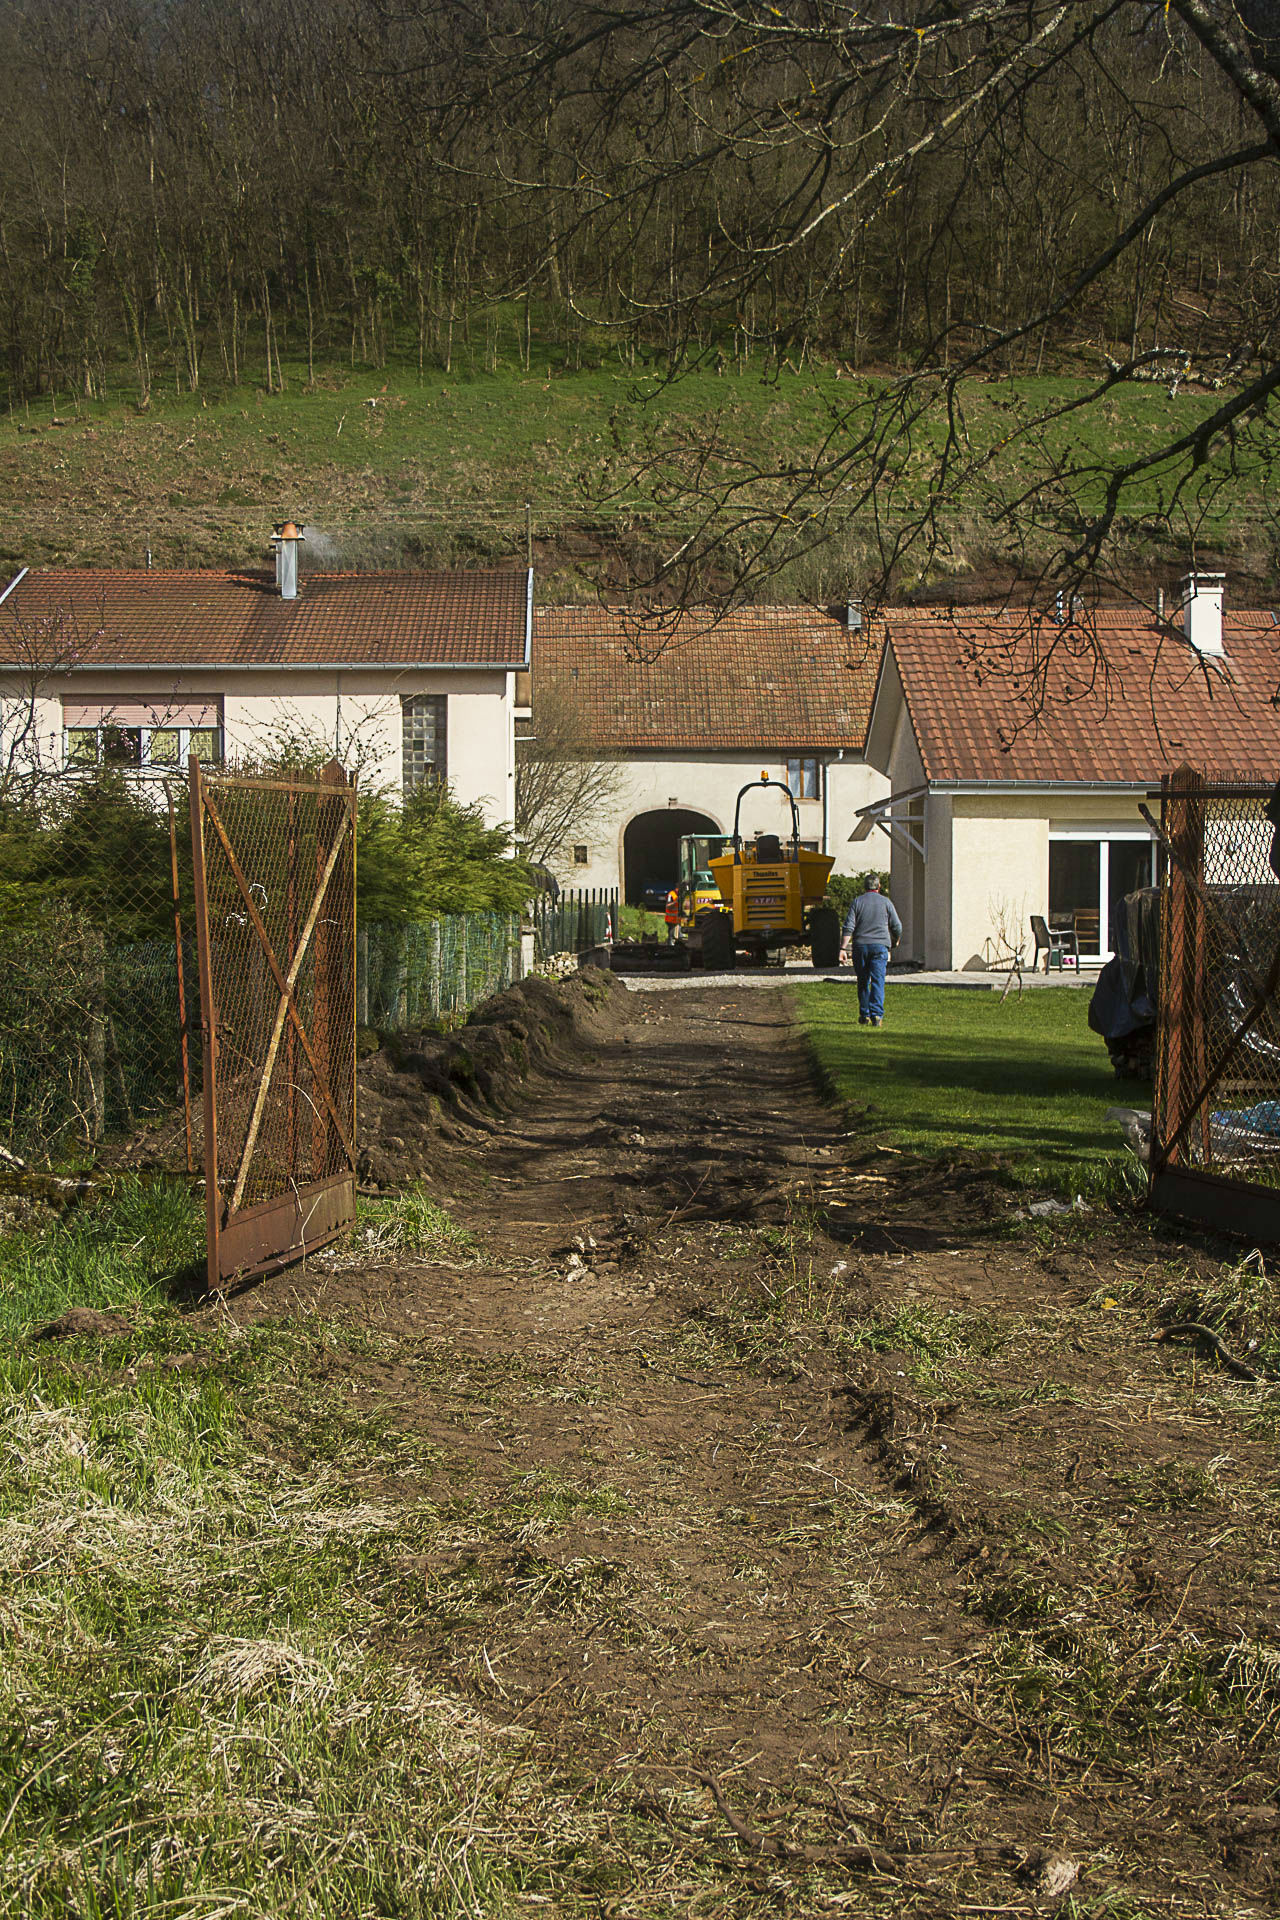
(635, 922)
(206, 1542)
(951, 1068)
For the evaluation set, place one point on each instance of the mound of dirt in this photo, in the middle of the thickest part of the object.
(419, 1089)
(77, 1322)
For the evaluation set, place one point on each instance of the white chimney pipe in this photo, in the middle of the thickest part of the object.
(1202, 611)
(285, 540)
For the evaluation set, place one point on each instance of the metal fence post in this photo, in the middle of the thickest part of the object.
(362, 977)
(401, 986)
(1182, 1047)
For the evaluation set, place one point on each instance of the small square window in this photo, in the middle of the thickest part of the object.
(204, 743)
(579, 856)
(122, 746)
(164, 746)
(82, 746)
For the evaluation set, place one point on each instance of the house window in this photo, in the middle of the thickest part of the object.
(1089, 875)
(117, 734)
(579, 856)
(802, 778)
(424, 726)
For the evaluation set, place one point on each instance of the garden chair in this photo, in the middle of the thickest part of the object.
(1053, 940)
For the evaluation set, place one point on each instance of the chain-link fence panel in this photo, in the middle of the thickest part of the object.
(274, 868)
(414, 975)
(1217, 1098)
(95, 989)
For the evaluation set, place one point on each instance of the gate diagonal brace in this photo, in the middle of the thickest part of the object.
(264, 940)
(286, 1002)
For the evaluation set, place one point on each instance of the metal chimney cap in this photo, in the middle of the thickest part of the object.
(288, 530)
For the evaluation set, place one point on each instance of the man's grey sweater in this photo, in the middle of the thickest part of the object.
(873, 920)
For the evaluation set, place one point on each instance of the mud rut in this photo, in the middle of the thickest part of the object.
(702, 1537)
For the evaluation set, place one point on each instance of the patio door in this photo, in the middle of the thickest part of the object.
(1089, 874)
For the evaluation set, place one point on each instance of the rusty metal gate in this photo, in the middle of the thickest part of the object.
(274, 870)
(1215, 1154)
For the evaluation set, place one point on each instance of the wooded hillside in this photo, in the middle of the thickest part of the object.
(193, 188)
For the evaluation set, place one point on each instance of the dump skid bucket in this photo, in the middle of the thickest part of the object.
(648, 956)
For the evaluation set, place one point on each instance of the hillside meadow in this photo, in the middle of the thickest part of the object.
(605, 468)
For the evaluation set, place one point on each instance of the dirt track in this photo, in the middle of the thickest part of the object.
(769, 1458)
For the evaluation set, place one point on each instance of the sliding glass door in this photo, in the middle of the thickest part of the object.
(1089, 874)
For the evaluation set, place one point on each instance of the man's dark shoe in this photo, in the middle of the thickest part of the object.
(877, 1023)
(864, 1019)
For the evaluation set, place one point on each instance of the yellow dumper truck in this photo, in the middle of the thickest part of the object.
(771, 896)
(745, 897)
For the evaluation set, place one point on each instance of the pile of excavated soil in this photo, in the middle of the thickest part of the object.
(420, 1089)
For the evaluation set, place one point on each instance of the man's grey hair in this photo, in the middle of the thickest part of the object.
(871, 884)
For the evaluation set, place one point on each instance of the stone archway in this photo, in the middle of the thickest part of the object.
(651, 848)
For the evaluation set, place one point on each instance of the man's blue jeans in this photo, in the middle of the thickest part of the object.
(870, 964)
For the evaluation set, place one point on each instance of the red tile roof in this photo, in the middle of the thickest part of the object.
(788, 678)
(109, 618)
(970, 682)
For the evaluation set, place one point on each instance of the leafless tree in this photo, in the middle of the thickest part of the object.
(33, 651)
(565, 783)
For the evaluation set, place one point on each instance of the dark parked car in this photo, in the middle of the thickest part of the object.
(654, 893)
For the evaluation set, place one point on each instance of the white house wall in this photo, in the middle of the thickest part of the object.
(905, 773)
(999, 871)
(360, 713)
(986, 864)
(355, 712)
(710, 785)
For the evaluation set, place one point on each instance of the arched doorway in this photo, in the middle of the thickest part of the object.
(651, 849)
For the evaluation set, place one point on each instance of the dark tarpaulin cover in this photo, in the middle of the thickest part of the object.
(1124, 998)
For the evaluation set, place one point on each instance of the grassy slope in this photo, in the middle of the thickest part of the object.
(386, 466)
(951, 1069)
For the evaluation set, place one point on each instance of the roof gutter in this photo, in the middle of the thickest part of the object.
(273, 666)
(1039, 786)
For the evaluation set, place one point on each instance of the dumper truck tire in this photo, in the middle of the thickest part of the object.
(717, 942)
(824, 938)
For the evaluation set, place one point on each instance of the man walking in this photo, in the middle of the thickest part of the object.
(871, 927)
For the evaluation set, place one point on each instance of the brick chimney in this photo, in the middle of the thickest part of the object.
(1202, 611)
(285, 540)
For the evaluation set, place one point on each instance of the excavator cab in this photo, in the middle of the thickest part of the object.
(698, 891)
